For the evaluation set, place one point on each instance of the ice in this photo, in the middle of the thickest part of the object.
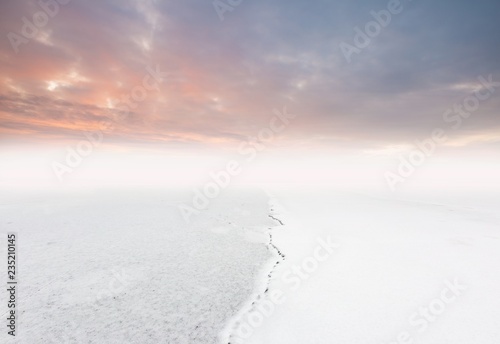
(112, 266)
(290, 266)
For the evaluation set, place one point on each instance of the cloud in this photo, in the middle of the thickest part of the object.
(226, 77)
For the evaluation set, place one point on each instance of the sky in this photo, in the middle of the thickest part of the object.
(209, 76)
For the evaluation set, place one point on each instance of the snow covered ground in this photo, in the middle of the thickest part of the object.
(291, 266)
(374, 270)
(123, 266)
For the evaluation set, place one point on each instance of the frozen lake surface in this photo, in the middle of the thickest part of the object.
(124, 267)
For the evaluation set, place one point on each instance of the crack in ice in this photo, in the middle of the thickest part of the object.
(281, 257)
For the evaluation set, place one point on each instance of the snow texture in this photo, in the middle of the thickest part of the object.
(404, 272)
(124, 267)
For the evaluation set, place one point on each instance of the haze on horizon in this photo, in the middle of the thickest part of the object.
(212, 85)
